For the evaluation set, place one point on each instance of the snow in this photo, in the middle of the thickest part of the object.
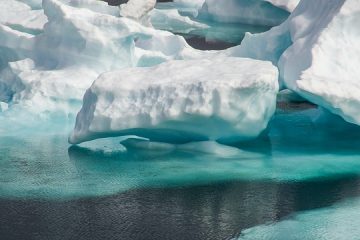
(21, 16)
(51, 52)
(137, 9)
(316, 51)
(225, 99)
(288, 5)
(43, 76)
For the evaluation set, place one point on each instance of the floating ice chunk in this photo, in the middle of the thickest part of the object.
(49, 72)
(322, 64)
(316, 51)
(21, 17)
(288, 5)
(257, 12)
(224, 99)
(14, 45)
(171, 20)
(3, 106)
(137, 9)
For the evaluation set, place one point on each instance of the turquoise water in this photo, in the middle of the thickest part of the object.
(298, 146)
(300, 180)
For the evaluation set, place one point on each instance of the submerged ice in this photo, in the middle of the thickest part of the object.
(332, 223)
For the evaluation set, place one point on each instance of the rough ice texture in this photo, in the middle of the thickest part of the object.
(256, 12)
(137, 9)
(171, 20)
(20, 16)
(317, 53)
(225, 99)
(46, 74)
(288, 5)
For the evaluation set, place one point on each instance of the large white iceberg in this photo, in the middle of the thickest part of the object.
(224, 99)
(317, 53)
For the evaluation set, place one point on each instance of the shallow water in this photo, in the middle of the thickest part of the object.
(306, 161)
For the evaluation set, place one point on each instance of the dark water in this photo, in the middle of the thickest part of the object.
(216, 211)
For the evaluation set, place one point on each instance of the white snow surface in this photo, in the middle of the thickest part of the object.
(317, 52)
(224, 99)
(20, 16)
(137, 9)
(46, 74)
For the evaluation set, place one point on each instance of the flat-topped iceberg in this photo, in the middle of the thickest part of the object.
(224, 99)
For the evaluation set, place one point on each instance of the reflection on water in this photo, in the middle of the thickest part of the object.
(338, 222)
(298, 146)
(216, 211)
(305, 160)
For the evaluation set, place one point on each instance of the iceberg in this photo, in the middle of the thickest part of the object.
(316, 50)
(20, 16)
(288, 5)
(171, 20)
(137, 9)
(256, 12)
(44, 75)
(222, 99)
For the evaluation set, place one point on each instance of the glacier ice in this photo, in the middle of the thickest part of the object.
(21, 16)
(171, 20)
(288, 5)
(316, 50)
(257, 12)
(46, 74)
(51, 52)
(224, 99)
(137, 9)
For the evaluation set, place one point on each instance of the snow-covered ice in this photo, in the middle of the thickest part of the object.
(137, 9)
(225, 99)
(317, 53)
(46, 74)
